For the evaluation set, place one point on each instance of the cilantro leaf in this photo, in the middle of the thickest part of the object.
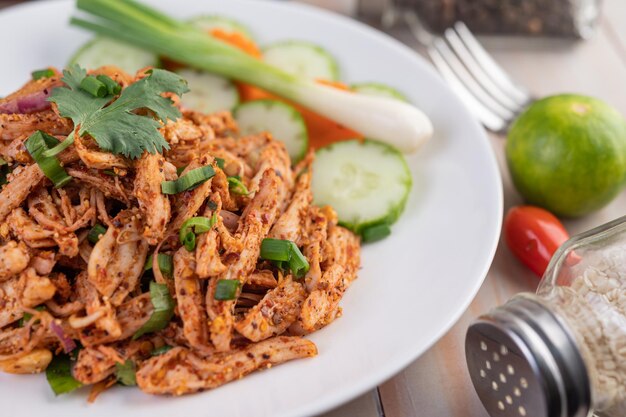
(59, 375)
(116, 127)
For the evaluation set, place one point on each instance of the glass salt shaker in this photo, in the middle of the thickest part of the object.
(562, 351)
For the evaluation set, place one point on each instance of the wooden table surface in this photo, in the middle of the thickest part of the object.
(437, 384)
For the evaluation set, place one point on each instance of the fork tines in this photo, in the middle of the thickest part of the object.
(472, 73)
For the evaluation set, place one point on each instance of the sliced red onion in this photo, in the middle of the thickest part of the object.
(29, 103)
(67, 343)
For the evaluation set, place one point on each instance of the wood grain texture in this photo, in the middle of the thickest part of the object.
(365, 406)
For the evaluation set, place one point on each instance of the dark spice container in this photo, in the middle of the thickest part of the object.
(565, 18)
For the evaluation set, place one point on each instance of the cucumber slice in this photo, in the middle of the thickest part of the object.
(102, 51)
(208, 93)
(227, 24)
(302, 58)
(378, 90)
(280, 119)
(367, 183)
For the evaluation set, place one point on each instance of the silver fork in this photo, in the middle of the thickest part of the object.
(484, 87)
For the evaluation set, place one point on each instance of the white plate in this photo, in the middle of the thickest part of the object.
(413, 285)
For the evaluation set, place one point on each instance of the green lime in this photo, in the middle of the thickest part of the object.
(567, 153)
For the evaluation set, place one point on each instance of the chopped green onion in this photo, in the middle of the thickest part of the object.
(59, 375)
(180, 170)
(276, 249)
(161, 350)
(188, 181)
(126, 373)
(43, 73)
(54, 151)
(236, 186)
(163, 305)
(220, 162)
(94, 86)
(193, 226)
(189, 241)
(36, 145)
(285, 253)
(374, 233)
(166, 264)
(96, 232)
(226, 289)
(112, 87)
(298, 263)
(109, 172)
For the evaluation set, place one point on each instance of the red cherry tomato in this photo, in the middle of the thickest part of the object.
(533, 235)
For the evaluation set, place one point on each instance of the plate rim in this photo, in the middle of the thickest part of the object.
(400, 361)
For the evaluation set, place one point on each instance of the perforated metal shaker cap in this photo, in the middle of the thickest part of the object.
(524, 361)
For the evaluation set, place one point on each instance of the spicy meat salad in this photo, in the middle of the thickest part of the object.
(145, 244)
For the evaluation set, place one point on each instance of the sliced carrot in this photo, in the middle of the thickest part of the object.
(238, 40)
(336, 84)
(322, 131)
(232, 38)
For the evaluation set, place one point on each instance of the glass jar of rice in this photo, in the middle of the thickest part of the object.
(562, 351)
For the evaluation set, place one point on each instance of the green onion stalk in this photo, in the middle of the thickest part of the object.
(394, 122)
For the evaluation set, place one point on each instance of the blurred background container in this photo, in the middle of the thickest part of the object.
(565, 18)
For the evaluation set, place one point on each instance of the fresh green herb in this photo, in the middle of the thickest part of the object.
(298, 263)
(226, 289)
(276, 249)
(161, 350)
(112, 87)
(116, 127)
(188, 181)
(189, 241)
(109, 172)
(43, 73)
(192, 227)
(374, 233)
(163, 305)
(27, 316)
(126, 373)
(220, 162)
(59, 375)
(236, 186)
(285, 253)
(165, 262)
(94, 86)
(96, 233)
(36, 145)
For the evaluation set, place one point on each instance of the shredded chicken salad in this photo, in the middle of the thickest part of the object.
(146, 244)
